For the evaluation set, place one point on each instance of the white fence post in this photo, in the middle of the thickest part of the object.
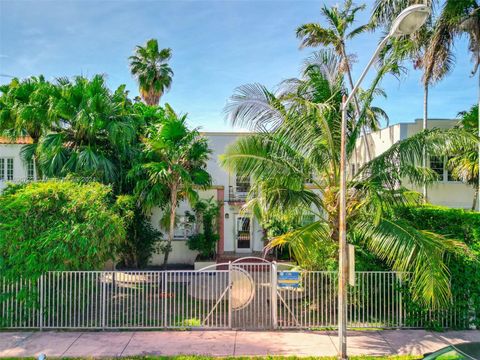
(165, 298)
(41, 294)
(273, 296)
(103, 280)
(229, 294)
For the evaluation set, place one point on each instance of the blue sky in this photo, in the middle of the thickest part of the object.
(217, 46)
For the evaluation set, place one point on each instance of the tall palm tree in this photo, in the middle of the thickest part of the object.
(25, 111)
(95, 131)
(413, 48)
(299, 135)
(173, 168)
(149, 65)
(339, 21)
(454, 18)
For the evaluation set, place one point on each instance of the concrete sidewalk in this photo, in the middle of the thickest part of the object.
(224, 343)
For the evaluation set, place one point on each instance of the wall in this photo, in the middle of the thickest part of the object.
(378, 142)
(447, 193)
(19, 169)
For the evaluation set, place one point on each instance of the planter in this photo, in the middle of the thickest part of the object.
(200, 264)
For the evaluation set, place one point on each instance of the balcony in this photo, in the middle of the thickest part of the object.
(236, 195)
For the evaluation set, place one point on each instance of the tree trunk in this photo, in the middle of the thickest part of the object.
(36, 168)
(425, 126)
(475, 198)
(151, 97)
(171, 230)
(357, 106)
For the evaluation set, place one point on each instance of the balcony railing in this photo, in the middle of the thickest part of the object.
(235, 196)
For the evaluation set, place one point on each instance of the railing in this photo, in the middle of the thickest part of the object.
(244, 295)
(235, 196)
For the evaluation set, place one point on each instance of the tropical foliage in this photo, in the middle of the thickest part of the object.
(450, 20)
(142, 239)
(339, 23)
(57, 225)
(299, 142)
(206, 237)
(464, 268)
(149, 66)
(173, 168)
(463, 159)
(25, 111)
(95, 135)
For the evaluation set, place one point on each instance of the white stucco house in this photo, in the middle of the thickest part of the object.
(446, 191)
(240, 234)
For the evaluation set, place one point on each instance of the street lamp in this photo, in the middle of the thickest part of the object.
(407, 22)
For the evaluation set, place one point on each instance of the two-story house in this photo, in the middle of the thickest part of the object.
(446, 191)
(240, 234)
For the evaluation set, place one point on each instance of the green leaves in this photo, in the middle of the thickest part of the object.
(98, 131)
(421, 254)
(293, 163)
(150, 68)
(57, 225)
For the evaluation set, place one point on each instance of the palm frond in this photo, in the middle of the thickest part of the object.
(419, 254)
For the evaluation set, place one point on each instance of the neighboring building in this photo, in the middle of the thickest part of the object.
(241, 234)
(12, 168)
(446, 191)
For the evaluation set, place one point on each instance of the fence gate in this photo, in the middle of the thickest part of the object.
(251, 293)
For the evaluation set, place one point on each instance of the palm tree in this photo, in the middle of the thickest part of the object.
(339, 21)
(25, 111)
(173, 168)
(95, 131)
(299, 135)
(464, 160)
(456, 18)
(149, 66)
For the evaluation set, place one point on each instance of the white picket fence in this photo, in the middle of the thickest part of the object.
(239, 296)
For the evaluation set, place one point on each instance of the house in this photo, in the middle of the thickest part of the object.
(446, 191)
(12, 168)
(240, 234)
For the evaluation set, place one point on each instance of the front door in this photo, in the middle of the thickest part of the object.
(243, 234)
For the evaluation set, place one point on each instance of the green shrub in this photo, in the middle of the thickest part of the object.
(460, 225)
(141, 237)
(205, 240)
(57, 225)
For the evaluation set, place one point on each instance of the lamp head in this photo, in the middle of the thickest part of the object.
(410, 20)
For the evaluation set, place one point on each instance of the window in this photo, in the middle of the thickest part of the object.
(6, 169)
(242, 184)
(30, 170)
(9, 169)
(184, 228)
(438, 165)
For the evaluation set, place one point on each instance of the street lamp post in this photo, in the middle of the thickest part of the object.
(407, 22)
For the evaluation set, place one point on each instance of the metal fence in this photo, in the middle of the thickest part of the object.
(241, 296)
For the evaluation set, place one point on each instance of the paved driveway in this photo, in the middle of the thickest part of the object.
(224, 343)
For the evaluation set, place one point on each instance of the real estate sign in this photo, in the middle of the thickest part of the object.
(289, 279)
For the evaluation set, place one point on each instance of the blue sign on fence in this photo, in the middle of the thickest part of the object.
(290, 279)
